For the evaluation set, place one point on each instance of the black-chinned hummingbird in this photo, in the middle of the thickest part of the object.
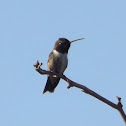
(57, 62)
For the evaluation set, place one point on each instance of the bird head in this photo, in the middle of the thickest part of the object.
(62, 45)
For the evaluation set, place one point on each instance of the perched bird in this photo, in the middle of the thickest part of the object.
(57, 62)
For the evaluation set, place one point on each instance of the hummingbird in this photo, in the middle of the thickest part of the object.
(57, 62)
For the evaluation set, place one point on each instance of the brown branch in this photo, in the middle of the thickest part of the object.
(86, 90)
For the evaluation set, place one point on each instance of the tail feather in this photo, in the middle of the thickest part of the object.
(51, 84)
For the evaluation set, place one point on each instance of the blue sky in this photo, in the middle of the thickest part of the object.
(28, 31)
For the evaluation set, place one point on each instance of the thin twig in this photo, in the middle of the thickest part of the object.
(71, 83)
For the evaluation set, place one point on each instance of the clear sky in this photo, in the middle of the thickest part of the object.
(28, 31)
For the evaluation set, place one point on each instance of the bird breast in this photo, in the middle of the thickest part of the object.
(61, 61)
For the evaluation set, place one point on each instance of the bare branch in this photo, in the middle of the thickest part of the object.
(86, 90)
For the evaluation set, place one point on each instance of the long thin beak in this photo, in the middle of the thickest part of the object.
(76, 40)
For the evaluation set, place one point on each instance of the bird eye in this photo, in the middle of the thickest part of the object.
(60, 43)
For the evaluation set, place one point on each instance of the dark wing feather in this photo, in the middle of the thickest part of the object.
(51, 84)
